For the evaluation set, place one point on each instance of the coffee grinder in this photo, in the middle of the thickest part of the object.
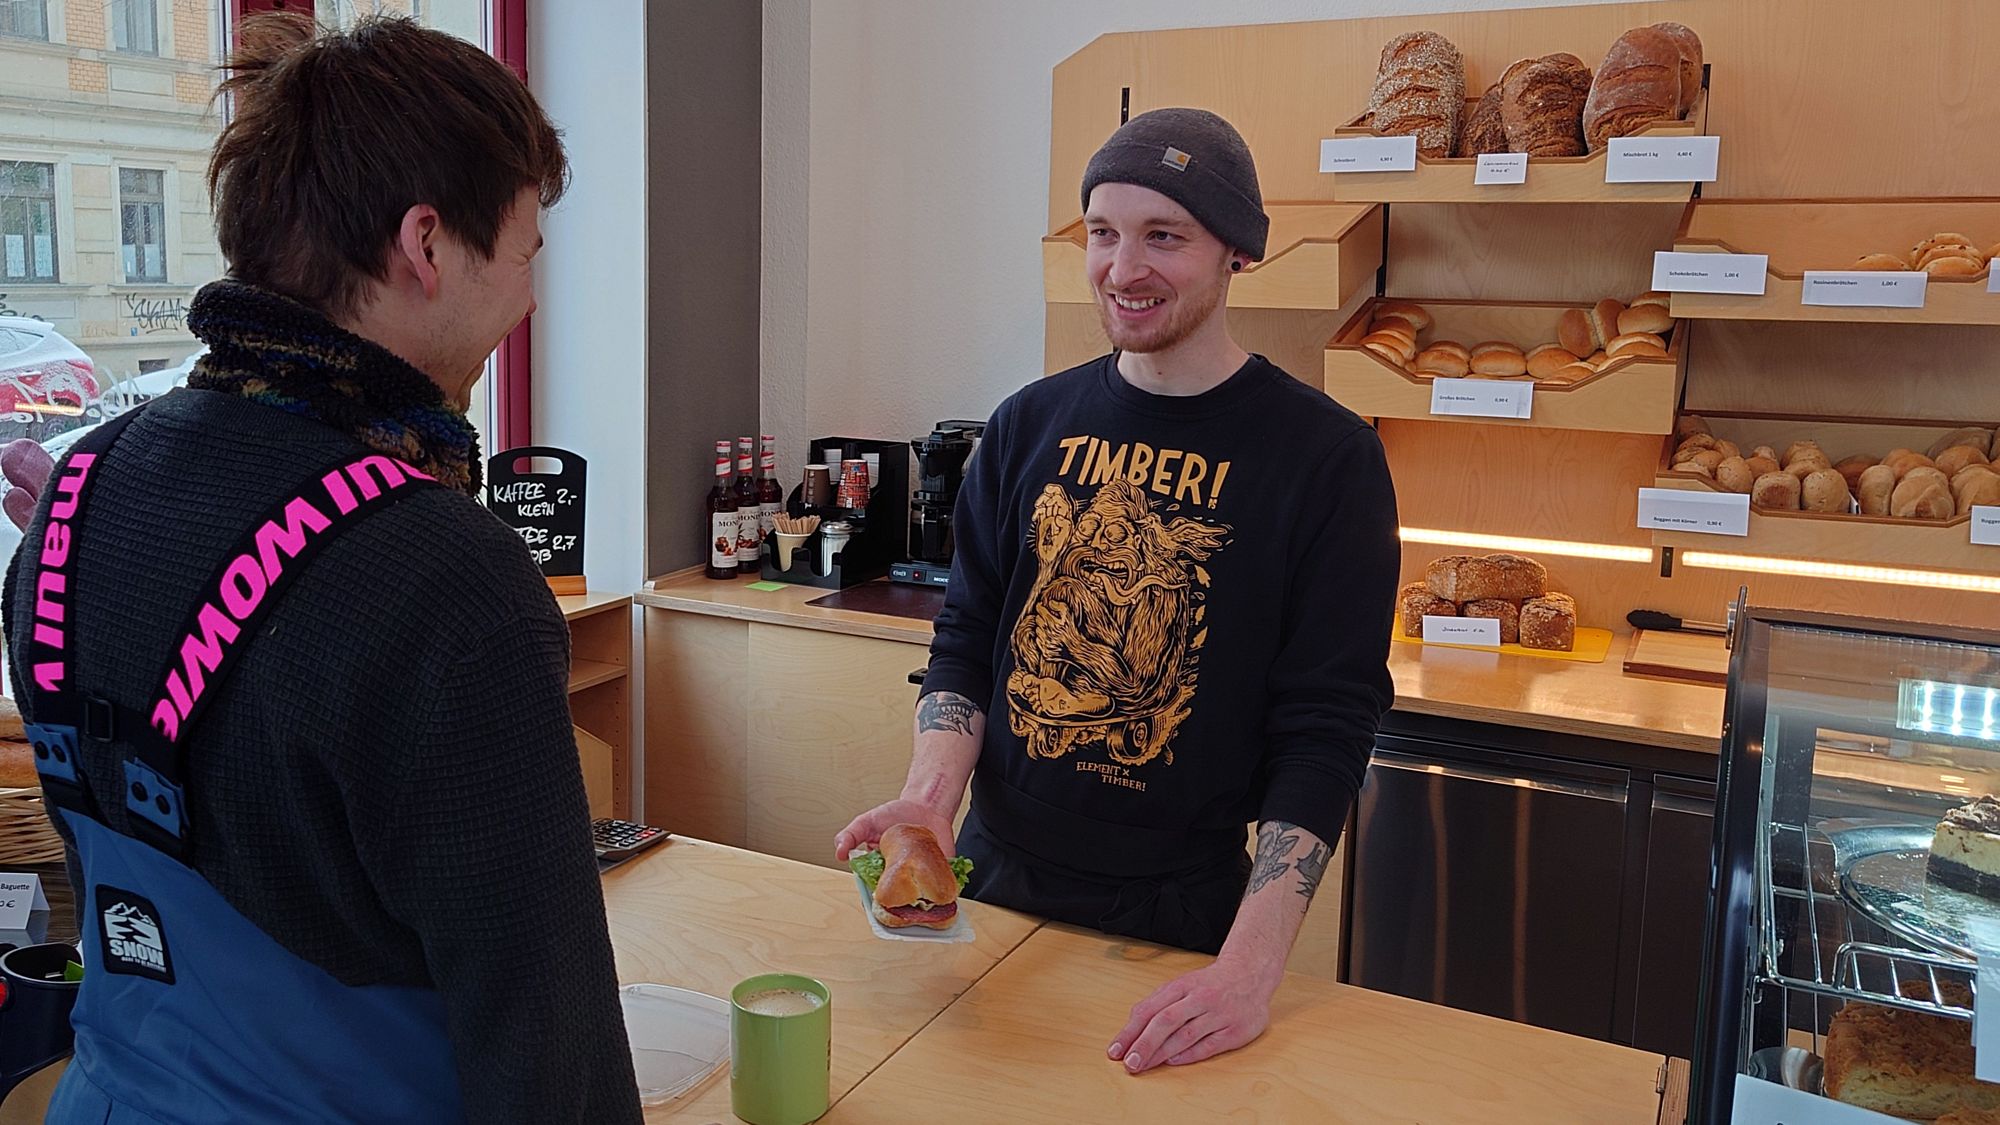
(941, 460)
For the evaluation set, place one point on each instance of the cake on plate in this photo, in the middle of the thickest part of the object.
(1905, 1064)
(1965, 851)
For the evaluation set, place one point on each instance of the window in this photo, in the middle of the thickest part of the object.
(135, 26)
(27, 19)
(142, 223)
(27, 221)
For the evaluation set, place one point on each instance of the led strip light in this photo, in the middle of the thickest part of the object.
(1571, 548)
(1843, 572)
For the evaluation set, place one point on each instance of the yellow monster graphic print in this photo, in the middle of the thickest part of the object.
(1107, 648)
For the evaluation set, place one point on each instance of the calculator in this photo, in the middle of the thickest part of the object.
(622, 839)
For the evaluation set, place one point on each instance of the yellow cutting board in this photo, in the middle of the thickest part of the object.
(1592, 646)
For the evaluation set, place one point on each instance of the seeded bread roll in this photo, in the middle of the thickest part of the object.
(1761, 464)
(1877, 485)
(1638, 83)
(1541, 105)
(1708, 459)
(1729, 448)
(1825, 491)
(1698, 441)
(1472, 578)
(1415, 601)
(1765, 451)
(1484, 132)
(1794, 449)
(1420, 91)
(1806, 464)
(1549, 622)
(1689, 45)
(1735, 474)
(1506, 612)
(1776, 490)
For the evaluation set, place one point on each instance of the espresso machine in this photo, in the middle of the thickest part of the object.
(941, 463)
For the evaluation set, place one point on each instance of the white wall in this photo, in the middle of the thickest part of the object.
(925, 194)
(586, 62)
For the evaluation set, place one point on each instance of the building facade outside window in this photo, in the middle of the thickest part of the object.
(142, 224)
(25, 19)
(135, 26)
(27, 222)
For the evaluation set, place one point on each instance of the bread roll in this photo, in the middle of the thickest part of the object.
(1644, 318)
(1877, 485)
(1689, 45)
(1922, 499)
(1735, 474)
(1547, 359)
(1776, 490)
(17, 766)
(1502, 363)
(1851, 469)
(1483, 132)
(1573, 332)
(1390, 346)
(1471, 578)
(1888, 262)
(1695, 467)
(1765, 451)
(1690, 424)
(1958, 457)
(1926, 257)
(1825, 491)
(1974, 436)
(1415, 601)
(1905, 460)
(1944, 238)
(1636, 344)
(1420, 91)
(1410, 313)
(1808, 463)
(1596, 360)
(1954, 265)
(1706, 458)
(1395, 326)
(1978, 489)
(1571, 374)
(1638, 83)
(1697, 441)
(1549, 622)
(1651, 297)
(1604, 323)
(1506, 612)
(1390, 353)
(1541, 105)
(1443, 361)
(1926, 474)
(1453, 347)
(1794, 449)
(1761, 464)
(1729, 448)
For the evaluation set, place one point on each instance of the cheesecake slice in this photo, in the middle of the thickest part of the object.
(1965, 851)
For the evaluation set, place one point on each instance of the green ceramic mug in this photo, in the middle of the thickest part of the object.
(780, 1049)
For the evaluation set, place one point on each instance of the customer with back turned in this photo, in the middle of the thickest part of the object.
(1168, 615)
(299, 703)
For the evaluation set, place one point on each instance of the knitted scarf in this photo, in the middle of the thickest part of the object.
(271, 349)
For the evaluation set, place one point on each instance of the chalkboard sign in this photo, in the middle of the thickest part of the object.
(544, 509)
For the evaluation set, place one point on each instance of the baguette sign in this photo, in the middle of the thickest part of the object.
(1894, 289)
(1368, 154)
(1676, 271)
(20, 896)
(1704, 513)
(1661, 160)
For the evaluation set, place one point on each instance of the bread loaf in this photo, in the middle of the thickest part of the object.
(1877, 485)
(1549, 622)
(1541, 105)
(1976, 487)
(1825, 491)
(1471, 578)
(1779, 491)
(17, 766)
(1735, 474)
(1483, 132)
(1689, 45)
(1420, 91)
(1506, 612)
(1415, 601)
(12, 729)
(1573, 332)
(1958, 457)
(1638, 83)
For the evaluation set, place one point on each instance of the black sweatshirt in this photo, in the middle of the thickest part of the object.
(387, 784)
(1176, 610)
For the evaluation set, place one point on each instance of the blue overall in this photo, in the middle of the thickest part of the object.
(188, 1011)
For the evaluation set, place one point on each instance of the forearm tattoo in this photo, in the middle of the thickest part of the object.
(945, 711)
(1312, 868)
(1275, 841)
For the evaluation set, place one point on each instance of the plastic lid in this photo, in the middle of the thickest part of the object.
(678, 1038)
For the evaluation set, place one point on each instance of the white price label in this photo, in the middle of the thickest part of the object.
(1986, 1017)
(1992, 278)
(20, 895)
(1368, 154)
(1482, 398)
(1885, 289)
(1759, 1102)
(1661, 160)
(1704, 513)
(1501, 168)
(1678, 271)
(1986, 533)
(1481, 631)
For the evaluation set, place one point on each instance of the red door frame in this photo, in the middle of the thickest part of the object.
(513, 402)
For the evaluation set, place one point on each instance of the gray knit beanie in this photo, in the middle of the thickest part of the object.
(1196, 159)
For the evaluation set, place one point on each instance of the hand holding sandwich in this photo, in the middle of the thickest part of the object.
(912, 882)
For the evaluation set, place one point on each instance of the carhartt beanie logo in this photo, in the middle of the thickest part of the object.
(1196, 159)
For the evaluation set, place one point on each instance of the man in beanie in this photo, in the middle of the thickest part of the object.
(1168, 616)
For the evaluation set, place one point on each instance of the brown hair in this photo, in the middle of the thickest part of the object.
(335, 135)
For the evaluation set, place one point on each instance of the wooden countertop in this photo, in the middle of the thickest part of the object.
(704, 916)
(1567, 697)
(578, 606)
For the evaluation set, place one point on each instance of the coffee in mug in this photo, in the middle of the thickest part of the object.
(780, 1002)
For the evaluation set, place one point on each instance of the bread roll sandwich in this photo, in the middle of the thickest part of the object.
(912, 882)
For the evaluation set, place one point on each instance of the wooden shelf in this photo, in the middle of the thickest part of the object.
(1633, 395)
(1825, 537)
(1551, 179)
(1318, 256)
(590, 673)
(578, 606)
(1799, 235)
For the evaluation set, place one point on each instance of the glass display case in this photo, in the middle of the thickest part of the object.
(1857, 871)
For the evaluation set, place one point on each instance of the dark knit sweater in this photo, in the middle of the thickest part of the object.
(1175, 610)
(388, 784)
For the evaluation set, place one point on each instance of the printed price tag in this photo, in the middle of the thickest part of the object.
(1501, 168)
(1992, 278)
(1368, 154)
(1766, 1103)
(1482, 398)
(1661, 160)
(1986, 533)
(1874, 289)
(20, 896)
(1705, 513)
(1481, 631)
(1986, 1020)
(1677, 271)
